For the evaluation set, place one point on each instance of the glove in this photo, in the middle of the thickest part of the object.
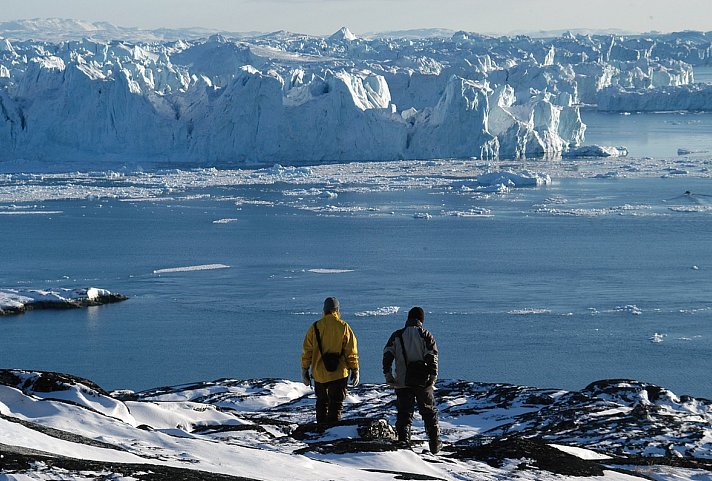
(306, 379)
(354, 377)
(390, 380)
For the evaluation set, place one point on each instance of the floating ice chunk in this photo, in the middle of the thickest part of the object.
(529, 311)
(332, 209)
(695, 268)
(328, 195)
(422, 215)
(469, 213)
(381, 311)
(203, 267)
(573, 212)
(657, 337)
(597, 151)
(32, 212)
(691, 208)
(329, 271)
(631, 308)
(511, 179)
(278, 170)
(224, 221)
(494, 189)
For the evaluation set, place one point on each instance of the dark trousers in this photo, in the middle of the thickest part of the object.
(330, 400)
(406, 398)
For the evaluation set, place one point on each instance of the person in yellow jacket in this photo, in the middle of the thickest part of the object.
(330, 349)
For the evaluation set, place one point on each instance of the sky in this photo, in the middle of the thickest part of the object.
(320, 17)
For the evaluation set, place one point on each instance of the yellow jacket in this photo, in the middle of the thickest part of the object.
(336, 336)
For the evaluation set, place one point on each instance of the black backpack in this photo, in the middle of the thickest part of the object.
(331, 359)
(417, 373)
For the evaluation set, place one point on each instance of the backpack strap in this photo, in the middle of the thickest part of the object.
(318, 338)
(318, 341)
(400, 336)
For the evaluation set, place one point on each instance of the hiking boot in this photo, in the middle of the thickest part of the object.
(401, 444)
(435, 446)
(403, 435)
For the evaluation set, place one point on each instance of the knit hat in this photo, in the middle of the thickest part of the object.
(417, 314)
(331, 304)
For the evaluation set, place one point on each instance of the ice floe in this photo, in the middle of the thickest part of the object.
(202, 267)
(529, 311)
(597, 151)
(381, 311)
(512, 179)
(469, 213)
(630, 308)
(657, 337)
(329, 271)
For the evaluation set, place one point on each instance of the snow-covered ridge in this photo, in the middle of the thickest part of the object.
(56, 425)
(16, 301)
(287, 97)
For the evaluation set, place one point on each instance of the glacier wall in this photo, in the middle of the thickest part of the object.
(288, 98)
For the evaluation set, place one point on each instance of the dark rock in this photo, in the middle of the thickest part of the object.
(539, 399)
(46, 381)
(374, 435)
(224, 428)
(542, 456)
(9, 378)
(376, 429)
(348, 446)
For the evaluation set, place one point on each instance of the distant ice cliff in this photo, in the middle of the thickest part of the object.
(288, 97)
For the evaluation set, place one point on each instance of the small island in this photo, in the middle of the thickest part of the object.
(17, 301)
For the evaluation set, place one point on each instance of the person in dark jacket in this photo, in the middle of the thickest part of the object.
(405, 346)
(330, 337)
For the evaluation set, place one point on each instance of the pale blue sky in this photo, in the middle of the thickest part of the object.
(326, 16)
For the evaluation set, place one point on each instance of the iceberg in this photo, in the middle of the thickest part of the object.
(596, 151)
(290, 98)
(696, 97)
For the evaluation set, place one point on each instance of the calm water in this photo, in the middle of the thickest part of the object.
(519, 297)
(657, 135)
(703, 74)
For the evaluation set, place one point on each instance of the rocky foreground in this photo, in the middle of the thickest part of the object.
(56, 426)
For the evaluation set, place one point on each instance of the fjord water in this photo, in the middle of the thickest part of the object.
(651, 135)
(525, 296)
